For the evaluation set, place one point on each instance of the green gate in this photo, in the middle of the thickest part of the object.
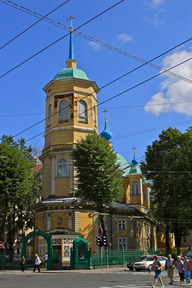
(80, 256)
(47, 237)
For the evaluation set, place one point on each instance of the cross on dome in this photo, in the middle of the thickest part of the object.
(71, 18)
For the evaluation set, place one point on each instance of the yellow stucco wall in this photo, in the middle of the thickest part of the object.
(56, 215)
(86, 228)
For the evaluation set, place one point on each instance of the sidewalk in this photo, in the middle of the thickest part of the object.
(84, 271)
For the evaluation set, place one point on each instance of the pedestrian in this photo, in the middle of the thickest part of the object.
(190, 266)
(45, 259)
(37, 263)
(156, 266)
(186, 261)
(182, 258)
(180, 266)
(169, 266)
(22, 263)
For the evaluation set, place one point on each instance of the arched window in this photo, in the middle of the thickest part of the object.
(63, 111)
(144, 194)
(134, 187)
(49, 115)
(94, 116)
(62, 167)
(82, 111)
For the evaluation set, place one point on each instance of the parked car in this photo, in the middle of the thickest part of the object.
(147, 262)
(187, 253)
(130, 264)
(18, 259)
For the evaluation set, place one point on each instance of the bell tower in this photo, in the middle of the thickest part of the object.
(71, 113)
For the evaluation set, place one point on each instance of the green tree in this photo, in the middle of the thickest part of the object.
(16, 180)
(98, 177)
(168, 167)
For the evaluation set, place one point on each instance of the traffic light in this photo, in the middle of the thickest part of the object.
(98, 241)
(104, 240)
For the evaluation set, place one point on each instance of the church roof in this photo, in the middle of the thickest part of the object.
(124, 165)
(106, 133)
(71, 73)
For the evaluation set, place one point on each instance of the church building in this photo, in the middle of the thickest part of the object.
(71, 114)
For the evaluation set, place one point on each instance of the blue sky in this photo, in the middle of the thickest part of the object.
(144, 29)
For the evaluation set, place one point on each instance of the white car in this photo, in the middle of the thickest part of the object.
(147, 262)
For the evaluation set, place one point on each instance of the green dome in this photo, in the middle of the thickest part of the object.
(135, 170)
(71, 73)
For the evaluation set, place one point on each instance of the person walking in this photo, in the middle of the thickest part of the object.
(169, 266)
(156, 266)
(45, 259)
(186, 261)
(180, 266)
(22, 263)
(190, 266)
(37, 263)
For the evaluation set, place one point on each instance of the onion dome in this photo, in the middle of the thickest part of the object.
(71, 71)
(106, 133)
(134, 161)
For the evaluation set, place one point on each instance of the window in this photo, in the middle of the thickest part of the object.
(121, 225)
(49, 115)
(134, 187)
(63, 111)
(94, 116)
(62, 167)
(122, 242)
(184, 240)
(144, 195)
(82, 111)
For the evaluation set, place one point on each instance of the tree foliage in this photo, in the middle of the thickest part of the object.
(16, 186)
(168, 166)
(98, 177)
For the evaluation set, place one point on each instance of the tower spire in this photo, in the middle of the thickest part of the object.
(106, 133)
(71, 50)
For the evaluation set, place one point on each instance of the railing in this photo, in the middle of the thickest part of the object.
(122, 257)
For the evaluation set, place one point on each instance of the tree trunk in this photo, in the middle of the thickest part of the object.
(177, 236)
(2, 229)
(10, 241)
(167, 237)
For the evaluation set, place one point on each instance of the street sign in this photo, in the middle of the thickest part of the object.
(100, 231)
(1, 245)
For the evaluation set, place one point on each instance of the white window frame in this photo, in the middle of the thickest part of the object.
(65, 163)
(122, 242)
(94, 116)
(144, 195)
(83, 115)
(49, 115)
(63, 118)
(135, 185)
(122, 224)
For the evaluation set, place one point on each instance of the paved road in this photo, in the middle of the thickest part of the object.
(106, 278)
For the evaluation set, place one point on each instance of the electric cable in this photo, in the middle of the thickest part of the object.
(117, 95)
(97, 41)
(60, 39)
(33, 24)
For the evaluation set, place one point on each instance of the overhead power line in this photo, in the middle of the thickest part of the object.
(61, 38)
(33, 24)
(117, 95)
(125, 107)
(93, 39)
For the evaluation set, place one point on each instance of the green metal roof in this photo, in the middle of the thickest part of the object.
(71, 73)
(124, 165)
(135, 170)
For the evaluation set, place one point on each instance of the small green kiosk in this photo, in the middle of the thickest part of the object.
(80, 256)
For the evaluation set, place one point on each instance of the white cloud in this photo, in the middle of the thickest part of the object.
(125, 37)
(173, 89)
(156, 3)
(95, 46)
(156, 20)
